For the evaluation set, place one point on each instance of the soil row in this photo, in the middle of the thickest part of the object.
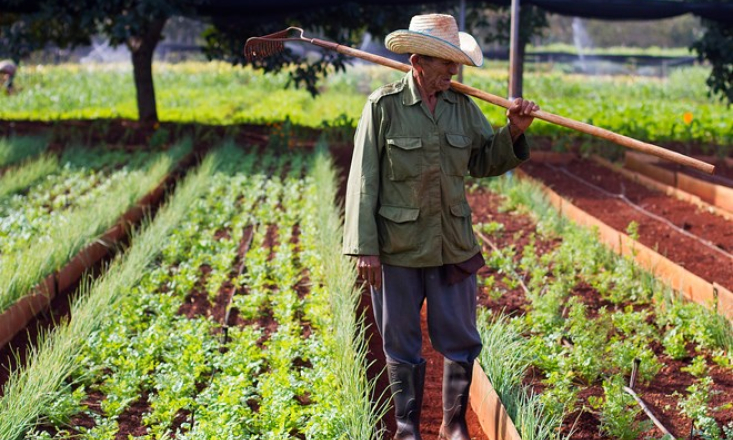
(690, 236)
(662, 393)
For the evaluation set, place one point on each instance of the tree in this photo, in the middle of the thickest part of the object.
(226, 38)
(136, 23)
(139, 25)
(716, 46)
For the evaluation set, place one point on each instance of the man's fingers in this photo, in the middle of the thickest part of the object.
(516, 107)
(369, 269)
(522, 107)
(527, 107)
(373, 276)
(365, 273)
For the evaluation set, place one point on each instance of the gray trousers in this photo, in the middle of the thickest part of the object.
(451, 314)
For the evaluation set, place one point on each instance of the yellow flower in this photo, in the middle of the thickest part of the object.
(687, 117)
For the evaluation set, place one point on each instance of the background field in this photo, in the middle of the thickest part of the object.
(675, 108)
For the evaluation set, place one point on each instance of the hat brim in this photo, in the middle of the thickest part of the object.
(407, 41)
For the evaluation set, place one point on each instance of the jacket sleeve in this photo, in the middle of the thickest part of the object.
(362, 190)
(496, 153)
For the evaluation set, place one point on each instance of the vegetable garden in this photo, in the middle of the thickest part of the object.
(225, 310)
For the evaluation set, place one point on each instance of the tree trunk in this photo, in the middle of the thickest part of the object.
(142, 49)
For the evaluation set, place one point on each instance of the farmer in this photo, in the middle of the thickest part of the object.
(407, 219)
(7, 70)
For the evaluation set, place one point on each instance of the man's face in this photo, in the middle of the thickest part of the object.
(436, 73)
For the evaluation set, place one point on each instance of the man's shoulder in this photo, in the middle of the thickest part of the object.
(387, 90)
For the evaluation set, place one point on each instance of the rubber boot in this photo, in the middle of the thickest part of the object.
(456, 383)
(406, 382)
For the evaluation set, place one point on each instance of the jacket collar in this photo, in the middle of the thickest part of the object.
(411, 94)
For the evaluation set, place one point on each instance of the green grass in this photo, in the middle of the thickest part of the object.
(647, 108)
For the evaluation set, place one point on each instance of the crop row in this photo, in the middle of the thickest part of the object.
(79, 183)
(31, 389)
(167, 344)
(223, 94)
(16, 149)
(588, 321)
(44, 224)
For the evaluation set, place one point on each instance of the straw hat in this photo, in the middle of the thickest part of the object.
(436, 35)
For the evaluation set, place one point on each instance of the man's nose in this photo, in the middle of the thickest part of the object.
(453, 68)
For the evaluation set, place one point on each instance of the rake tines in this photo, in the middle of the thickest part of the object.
(257, 48)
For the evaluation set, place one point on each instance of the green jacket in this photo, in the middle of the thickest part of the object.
(405, 199)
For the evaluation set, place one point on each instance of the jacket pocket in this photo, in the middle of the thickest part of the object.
(455, 154)
(405, 157)
(398, 230)
(460, 228)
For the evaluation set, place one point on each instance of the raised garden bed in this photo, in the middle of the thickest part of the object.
(716, 189)
(14, 320)
(687, 235)
(526, 274)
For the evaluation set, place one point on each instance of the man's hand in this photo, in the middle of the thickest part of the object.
(370, 270)
(519, 115)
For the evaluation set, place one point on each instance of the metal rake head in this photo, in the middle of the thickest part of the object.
(257, 48)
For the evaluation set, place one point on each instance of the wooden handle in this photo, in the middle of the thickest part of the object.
(593, 130)
(545, 116)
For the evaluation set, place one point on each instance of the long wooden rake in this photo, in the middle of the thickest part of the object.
(268, 45)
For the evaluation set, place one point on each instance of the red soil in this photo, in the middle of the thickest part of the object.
(704, 249)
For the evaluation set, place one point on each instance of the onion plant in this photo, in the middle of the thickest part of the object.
(358, 416)
(30, 390)
(17, 148)
(19, 178)
(21, 270)
(505, 359)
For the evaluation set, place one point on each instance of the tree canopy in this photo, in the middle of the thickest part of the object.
(716, 46)
(226, 37)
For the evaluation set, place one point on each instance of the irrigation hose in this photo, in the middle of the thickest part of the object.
(643, 211)
(495, 248)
